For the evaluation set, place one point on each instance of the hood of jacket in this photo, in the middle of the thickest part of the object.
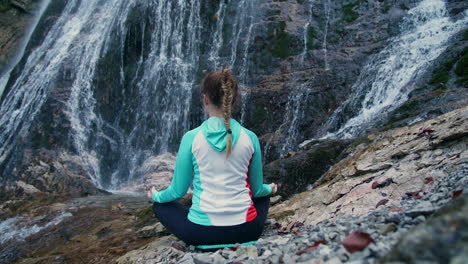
(216, 133)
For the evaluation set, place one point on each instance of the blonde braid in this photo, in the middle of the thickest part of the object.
(227, 104)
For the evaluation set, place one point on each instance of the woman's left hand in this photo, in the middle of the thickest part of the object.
(151, 192)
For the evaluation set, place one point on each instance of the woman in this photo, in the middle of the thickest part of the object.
(223, 159)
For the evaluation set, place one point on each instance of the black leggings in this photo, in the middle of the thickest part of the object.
(173, 216)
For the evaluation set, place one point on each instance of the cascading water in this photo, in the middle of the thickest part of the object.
(326, 7)
(131, 68)
(231, 49)
(388, 78)
(297, 98)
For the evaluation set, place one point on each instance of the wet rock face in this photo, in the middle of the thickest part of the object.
(156, 171)
(327, 67)
(15, 16)
(46, 171)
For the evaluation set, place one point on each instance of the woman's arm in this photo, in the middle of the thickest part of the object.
(256, 171)
(183, 174)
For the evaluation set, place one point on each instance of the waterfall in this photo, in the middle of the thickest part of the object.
(326, 7)
(236, 42)
(389, 76)
(297, 98)
(131, 68)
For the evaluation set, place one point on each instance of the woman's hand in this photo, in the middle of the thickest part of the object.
(151, 192)
(274, 188)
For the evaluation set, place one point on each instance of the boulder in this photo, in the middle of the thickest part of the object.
(300, 169)
(156, 171)
(443, 238)
(155, 230)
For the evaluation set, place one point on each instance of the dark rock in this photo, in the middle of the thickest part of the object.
(305, 167)
(441, 239)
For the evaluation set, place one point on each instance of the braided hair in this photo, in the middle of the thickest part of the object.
(222, 89)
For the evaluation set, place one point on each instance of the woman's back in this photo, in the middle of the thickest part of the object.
(221, 186)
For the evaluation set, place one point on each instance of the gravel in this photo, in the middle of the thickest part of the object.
(383, 226)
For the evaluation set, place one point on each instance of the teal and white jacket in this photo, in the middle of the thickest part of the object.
(222, 188)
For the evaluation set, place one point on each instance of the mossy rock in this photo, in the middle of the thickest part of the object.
(144, 217)
(461, 70)
(360, 140)
(441, 73)
(403, 112)
(311, 35)
(280, 41)
(349, 14)
(5, 6)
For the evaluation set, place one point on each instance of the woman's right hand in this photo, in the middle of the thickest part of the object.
(151, 192)
(274, 188)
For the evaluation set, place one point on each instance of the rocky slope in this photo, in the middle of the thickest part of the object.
(393, 164)
(386, 188)
(391, 193)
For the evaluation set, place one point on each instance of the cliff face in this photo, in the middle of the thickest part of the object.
(103, 115)
(300, 88)
(15, 17)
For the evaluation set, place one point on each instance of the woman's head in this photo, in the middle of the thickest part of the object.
(222, 91)
(212, 86)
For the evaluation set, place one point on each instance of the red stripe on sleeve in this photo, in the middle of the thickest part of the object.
(251, 212)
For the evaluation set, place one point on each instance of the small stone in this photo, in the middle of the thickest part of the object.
(390, 227)
(312, 261)
(275, 199)
(202, 259)
(287, 259)
(217, 258)
(152, 231)
(332, 235)
(334, 260)
(266, 253)
(250, 251)
(186, 259)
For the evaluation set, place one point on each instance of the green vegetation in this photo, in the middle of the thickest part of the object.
(404, 111)
(360, 140)
(144, 216)
(259, 114)
(349, 15)
(279, 41)
(311, 34)
(4, 6)
(386, 8)
(441, 74)
(462, 68)
(465, 34)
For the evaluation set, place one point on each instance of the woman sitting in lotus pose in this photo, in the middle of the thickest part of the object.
(223, 161)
